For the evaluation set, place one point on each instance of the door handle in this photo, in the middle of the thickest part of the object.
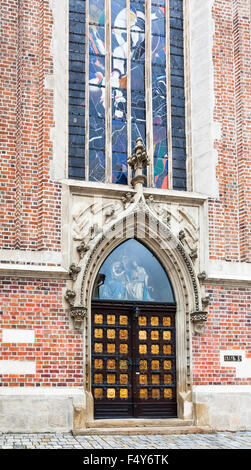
(137, 373)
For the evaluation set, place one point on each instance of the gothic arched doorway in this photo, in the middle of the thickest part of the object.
(133, 336)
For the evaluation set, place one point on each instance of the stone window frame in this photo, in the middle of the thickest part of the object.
(201, 128)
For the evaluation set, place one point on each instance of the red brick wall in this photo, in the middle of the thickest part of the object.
(228, 327)
(30, 202)
(58, 350)
(230, 215)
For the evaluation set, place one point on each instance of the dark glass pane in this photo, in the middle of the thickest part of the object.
(177, 94)
(131, 272)
(119, 168)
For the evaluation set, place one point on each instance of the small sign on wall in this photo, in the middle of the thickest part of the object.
(236, 358)
(232, 358)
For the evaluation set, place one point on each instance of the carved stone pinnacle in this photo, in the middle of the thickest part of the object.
(139, 159)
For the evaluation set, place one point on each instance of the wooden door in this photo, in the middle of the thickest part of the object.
(133, 360)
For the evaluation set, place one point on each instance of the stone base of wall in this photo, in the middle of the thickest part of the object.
(223, 408)
(40, 412)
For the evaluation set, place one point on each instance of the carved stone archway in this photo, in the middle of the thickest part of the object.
(151, 223)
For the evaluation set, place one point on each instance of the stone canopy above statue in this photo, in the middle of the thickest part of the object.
(131, 272)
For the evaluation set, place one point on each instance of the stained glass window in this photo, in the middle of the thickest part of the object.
(126, 80)
(132, 272)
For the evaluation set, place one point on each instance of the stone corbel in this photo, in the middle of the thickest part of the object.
(78, 314)
(127, 198)
(70, 296)
(82, 249)
(202, 276)
(182, 236)
(194, 254)
(205, 301)
(198, 319)
(74, 271)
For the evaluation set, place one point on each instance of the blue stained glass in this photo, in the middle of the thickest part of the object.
(137, 46)
(159, 50)
(158, 21)
(97, 133)
(158, 2)
(119, 168)
(118, 13)
(119, 71)
(159, 94)
(97, 11)
(160, 141)
(137, 16)
(96, 166)
(119, 43)
(97, 40)
(137, 76)
(119, 105)
(119, 136)
(97, 101)
(161, 173)
(132, 272)
(138, 130)
(96, 70)
(138, 106)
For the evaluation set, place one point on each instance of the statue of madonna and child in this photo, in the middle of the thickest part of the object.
(126, 281)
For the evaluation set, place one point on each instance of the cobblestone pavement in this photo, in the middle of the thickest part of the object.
(221, 440)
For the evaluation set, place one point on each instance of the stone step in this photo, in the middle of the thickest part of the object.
(131, 422)
(149, 430)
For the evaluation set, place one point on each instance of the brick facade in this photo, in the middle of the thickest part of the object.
(32, 210)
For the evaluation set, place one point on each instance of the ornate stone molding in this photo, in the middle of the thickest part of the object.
(78, 314)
